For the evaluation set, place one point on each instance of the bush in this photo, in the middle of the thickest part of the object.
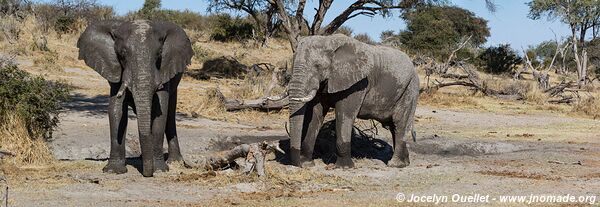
(31, 99)
(365, 38)
(226, 28)
(345, 30)
(500, 59)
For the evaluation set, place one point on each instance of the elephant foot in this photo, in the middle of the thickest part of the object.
(344, 163)
(398, 162)
(161, 165)
(116, 167)
(308, 163)
(174, 157)
(295, 157)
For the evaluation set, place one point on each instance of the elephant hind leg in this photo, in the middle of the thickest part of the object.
(403, 121)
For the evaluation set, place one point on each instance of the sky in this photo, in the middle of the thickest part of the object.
(509, 24)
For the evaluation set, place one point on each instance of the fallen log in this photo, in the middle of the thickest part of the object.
(566, 100)
(263, 104)
(254, 155)
(454, 76)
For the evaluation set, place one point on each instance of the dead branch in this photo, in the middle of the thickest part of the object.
(254, 155)
(263, 104)
(446, 65)
(4, 153)
(564, 100)
(472, 80)
(558, 89)
(455, 76)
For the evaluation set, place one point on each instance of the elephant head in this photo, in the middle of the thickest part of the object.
(322, 64)
(138, 56)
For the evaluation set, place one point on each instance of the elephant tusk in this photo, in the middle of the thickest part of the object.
(276, 146)
(121, 90)
(310, 96)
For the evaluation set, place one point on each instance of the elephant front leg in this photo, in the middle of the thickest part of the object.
(160, 107)
(314, 120)
(171, 130)
(345, 114)
(117, 116)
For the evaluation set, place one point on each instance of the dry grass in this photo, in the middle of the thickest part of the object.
(588, 107)
(536, 95)
(449, 100)
(278, 176)
(16, 139)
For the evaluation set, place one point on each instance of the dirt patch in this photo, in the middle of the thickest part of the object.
(445, 146)
(519, 174)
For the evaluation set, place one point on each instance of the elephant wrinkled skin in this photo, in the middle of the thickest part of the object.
(359, 81)
(143, 62)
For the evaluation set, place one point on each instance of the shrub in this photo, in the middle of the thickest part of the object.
(226, 28)
(500, 59)
(31, 99)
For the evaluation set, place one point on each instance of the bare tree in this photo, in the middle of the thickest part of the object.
(291, 13)
(13, 7)
(581, 16)
(294, 22)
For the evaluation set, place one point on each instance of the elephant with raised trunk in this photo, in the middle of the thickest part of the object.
(143, 62)
(358, 80)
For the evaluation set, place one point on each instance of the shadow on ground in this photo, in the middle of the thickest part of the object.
(94, 106)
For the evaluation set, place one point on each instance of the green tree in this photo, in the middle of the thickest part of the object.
(436, 30)
(580, 15)
(150, 7)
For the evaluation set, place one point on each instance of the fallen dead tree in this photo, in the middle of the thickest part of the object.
(254, 155)
(471, 80)
(265, 103)
(228, 67)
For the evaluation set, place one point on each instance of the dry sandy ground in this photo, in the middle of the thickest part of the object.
(457, 152)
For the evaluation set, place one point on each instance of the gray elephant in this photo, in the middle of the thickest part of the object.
(358, 80)
(143, 62)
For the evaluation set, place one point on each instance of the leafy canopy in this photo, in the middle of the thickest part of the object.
(436, 30)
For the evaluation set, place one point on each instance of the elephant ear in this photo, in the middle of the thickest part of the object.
(349, 64)
(97, 48)
(176, 52)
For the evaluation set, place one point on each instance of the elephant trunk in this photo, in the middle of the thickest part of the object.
(143, 106)
(297, 110)
(143, 93)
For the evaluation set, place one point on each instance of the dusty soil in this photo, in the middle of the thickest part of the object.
(457, 152)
